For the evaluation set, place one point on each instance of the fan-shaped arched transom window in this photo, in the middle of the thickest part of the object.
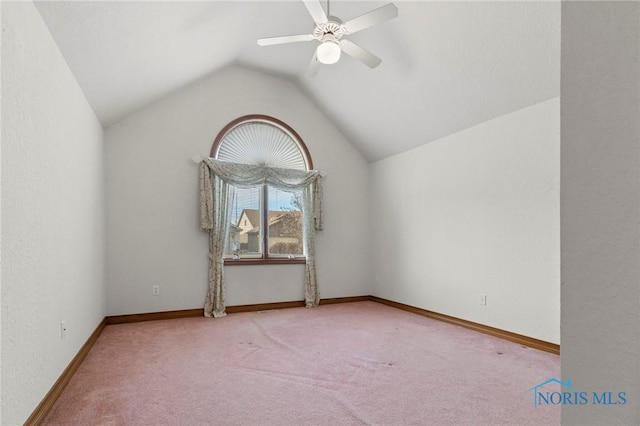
(264, 217)
(260, 139)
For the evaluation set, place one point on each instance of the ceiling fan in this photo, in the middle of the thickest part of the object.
(329, 31)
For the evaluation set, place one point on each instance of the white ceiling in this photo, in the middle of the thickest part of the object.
(446, 65)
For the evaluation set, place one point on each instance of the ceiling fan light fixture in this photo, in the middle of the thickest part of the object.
(328, 52)
(330, 32)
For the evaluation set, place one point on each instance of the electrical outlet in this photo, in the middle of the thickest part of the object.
(483, 299)
(63, 329)
(155, 290)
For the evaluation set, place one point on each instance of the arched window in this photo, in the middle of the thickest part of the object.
(266, 223)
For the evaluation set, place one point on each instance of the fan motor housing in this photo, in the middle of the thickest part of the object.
(332, 27)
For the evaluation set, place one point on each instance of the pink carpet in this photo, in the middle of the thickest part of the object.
(354, 363)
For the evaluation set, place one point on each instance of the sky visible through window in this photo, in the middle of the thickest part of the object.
(250, 199)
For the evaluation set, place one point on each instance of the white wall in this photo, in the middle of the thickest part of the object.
(601, 207)
(52, 213)
(475, 213)
(0, 234)
(152, 204)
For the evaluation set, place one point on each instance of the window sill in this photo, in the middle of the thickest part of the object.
(270, 261)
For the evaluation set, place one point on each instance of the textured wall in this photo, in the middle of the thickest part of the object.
(0, 242)
(152, 198)
(601, 207)
(475, 213)
(52, 213)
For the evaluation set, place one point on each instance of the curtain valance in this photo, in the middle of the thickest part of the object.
(248, 175)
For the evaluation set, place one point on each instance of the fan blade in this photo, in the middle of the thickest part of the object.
(369, 19)
(285, 39)
(315, 10)
(352, 49)
(314, 66)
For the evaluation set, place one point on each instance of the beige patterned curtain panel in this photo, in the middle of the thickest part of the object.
(218, 180)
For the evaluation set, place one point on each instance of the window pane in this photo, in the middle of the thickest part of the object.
(285, 223)
(244, 232)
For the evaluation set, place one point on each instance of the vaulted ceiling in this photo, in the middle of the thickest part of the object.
(446, 65)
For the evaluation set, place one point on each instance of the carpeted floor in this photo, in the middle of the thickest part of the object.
(353, 363)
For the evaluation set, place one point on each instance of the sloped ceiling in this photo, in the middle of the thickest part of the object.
(446, 66)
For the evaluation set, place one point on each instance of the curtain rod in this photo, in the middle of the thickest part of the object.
(198, 158)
